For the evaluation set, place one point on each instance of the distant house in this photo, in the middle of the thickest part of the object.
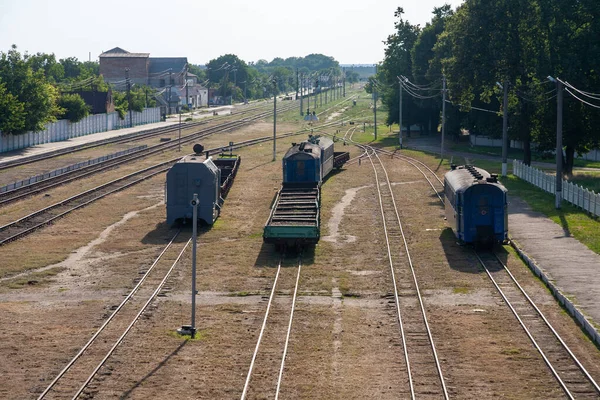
(166, 74)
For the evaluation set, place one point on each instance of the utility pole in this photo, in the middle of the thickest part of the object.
(179, 145)
(234, 83)
(301, 94)
(129, 97)
(274, 118)
(375, 103)
(170, 87)
(344, 80)
(443, 115)
(315, 96)
(191, 329)
(320, 92)
(297, 84)
(187, 97)
(400, 112)
(505, 130)
(559, 129)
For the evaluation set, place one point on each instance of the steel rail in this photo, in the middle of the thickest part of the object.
(262, 330)
(119, 139)
(414, 162)
(530, 334)
(289, 330)
(115, 312)
(41, 185)
(162, 168)
(415, 282)
(86, 146)
(396, 296)
(414, 276)
(144, 307)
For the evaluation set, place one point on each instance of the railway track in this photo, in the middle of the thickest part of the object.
(568, 371)
(40, 218)
(264, 377)
(28, 190)
(120, 139)
(76, 378)
(423, 369)
(570, 374)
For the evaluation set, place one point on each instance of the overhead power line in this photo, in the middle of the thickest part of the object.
(474, 108)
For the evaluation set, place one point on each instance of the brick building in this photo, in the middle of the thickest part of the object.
(114, 62)
(166, 74)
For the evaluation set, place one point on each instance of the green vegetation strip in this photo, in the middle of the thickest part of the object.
(582, 226)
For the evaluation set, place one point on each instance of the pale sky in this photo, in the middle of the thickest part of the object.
(351, 31)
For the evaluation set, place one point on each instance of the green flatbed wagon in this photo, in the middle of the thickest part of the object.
(294, 219)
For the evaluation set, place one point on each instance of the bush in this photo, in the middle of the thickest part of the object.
(74, 107)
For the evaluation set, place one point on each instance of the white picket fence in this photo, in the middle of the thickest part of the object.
(574, 194)
(64, 130)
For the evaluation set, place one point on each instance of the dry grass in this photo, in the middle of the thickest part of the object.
(341, 346)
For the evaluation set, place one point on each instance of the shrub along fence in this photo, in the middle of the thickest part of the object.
(64, 130)
(572, 193)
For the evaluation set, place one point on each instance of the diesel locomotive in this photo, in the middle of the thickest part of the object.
(295, 219)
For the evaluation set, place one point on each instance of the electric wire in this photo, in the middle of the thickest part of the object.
(594, 96)
(581, 100)
(474, 108)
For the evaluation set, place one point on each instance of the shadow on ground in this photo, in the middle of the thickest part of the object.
(163, 233)
(462, 257)
(155, 370)
(270, 255)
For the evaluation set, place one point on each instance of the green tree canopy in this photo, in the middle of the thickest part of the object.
(31, 89)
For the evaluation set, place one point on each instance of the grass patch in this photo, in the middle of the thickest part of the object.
(577, 222)
(201, 334)
(36, 278)
(243, 294)
(461, 290)
(510, 352)
(589, 180)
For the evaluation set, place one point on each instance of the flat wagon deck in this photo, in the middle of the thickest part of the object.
(294, 219)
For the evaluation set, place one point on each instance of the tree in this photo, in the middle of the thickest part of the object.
(398, 62)
(12, 112)
(53, 70)
(39, 98)
(75, 108)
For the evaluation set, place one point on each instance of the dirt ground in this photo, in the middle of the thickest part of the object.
(59, 284)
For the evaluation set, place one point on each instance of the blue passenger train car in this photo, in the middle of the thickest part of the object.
(476, 205)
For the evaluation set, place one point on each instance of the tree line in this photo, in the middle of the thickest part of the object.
(482, 46)
(232, 76)
(36, 89)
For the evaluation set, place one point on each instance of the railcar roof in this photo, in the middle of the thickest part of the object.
(315, 150)
(197, 159)
(460, 179)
